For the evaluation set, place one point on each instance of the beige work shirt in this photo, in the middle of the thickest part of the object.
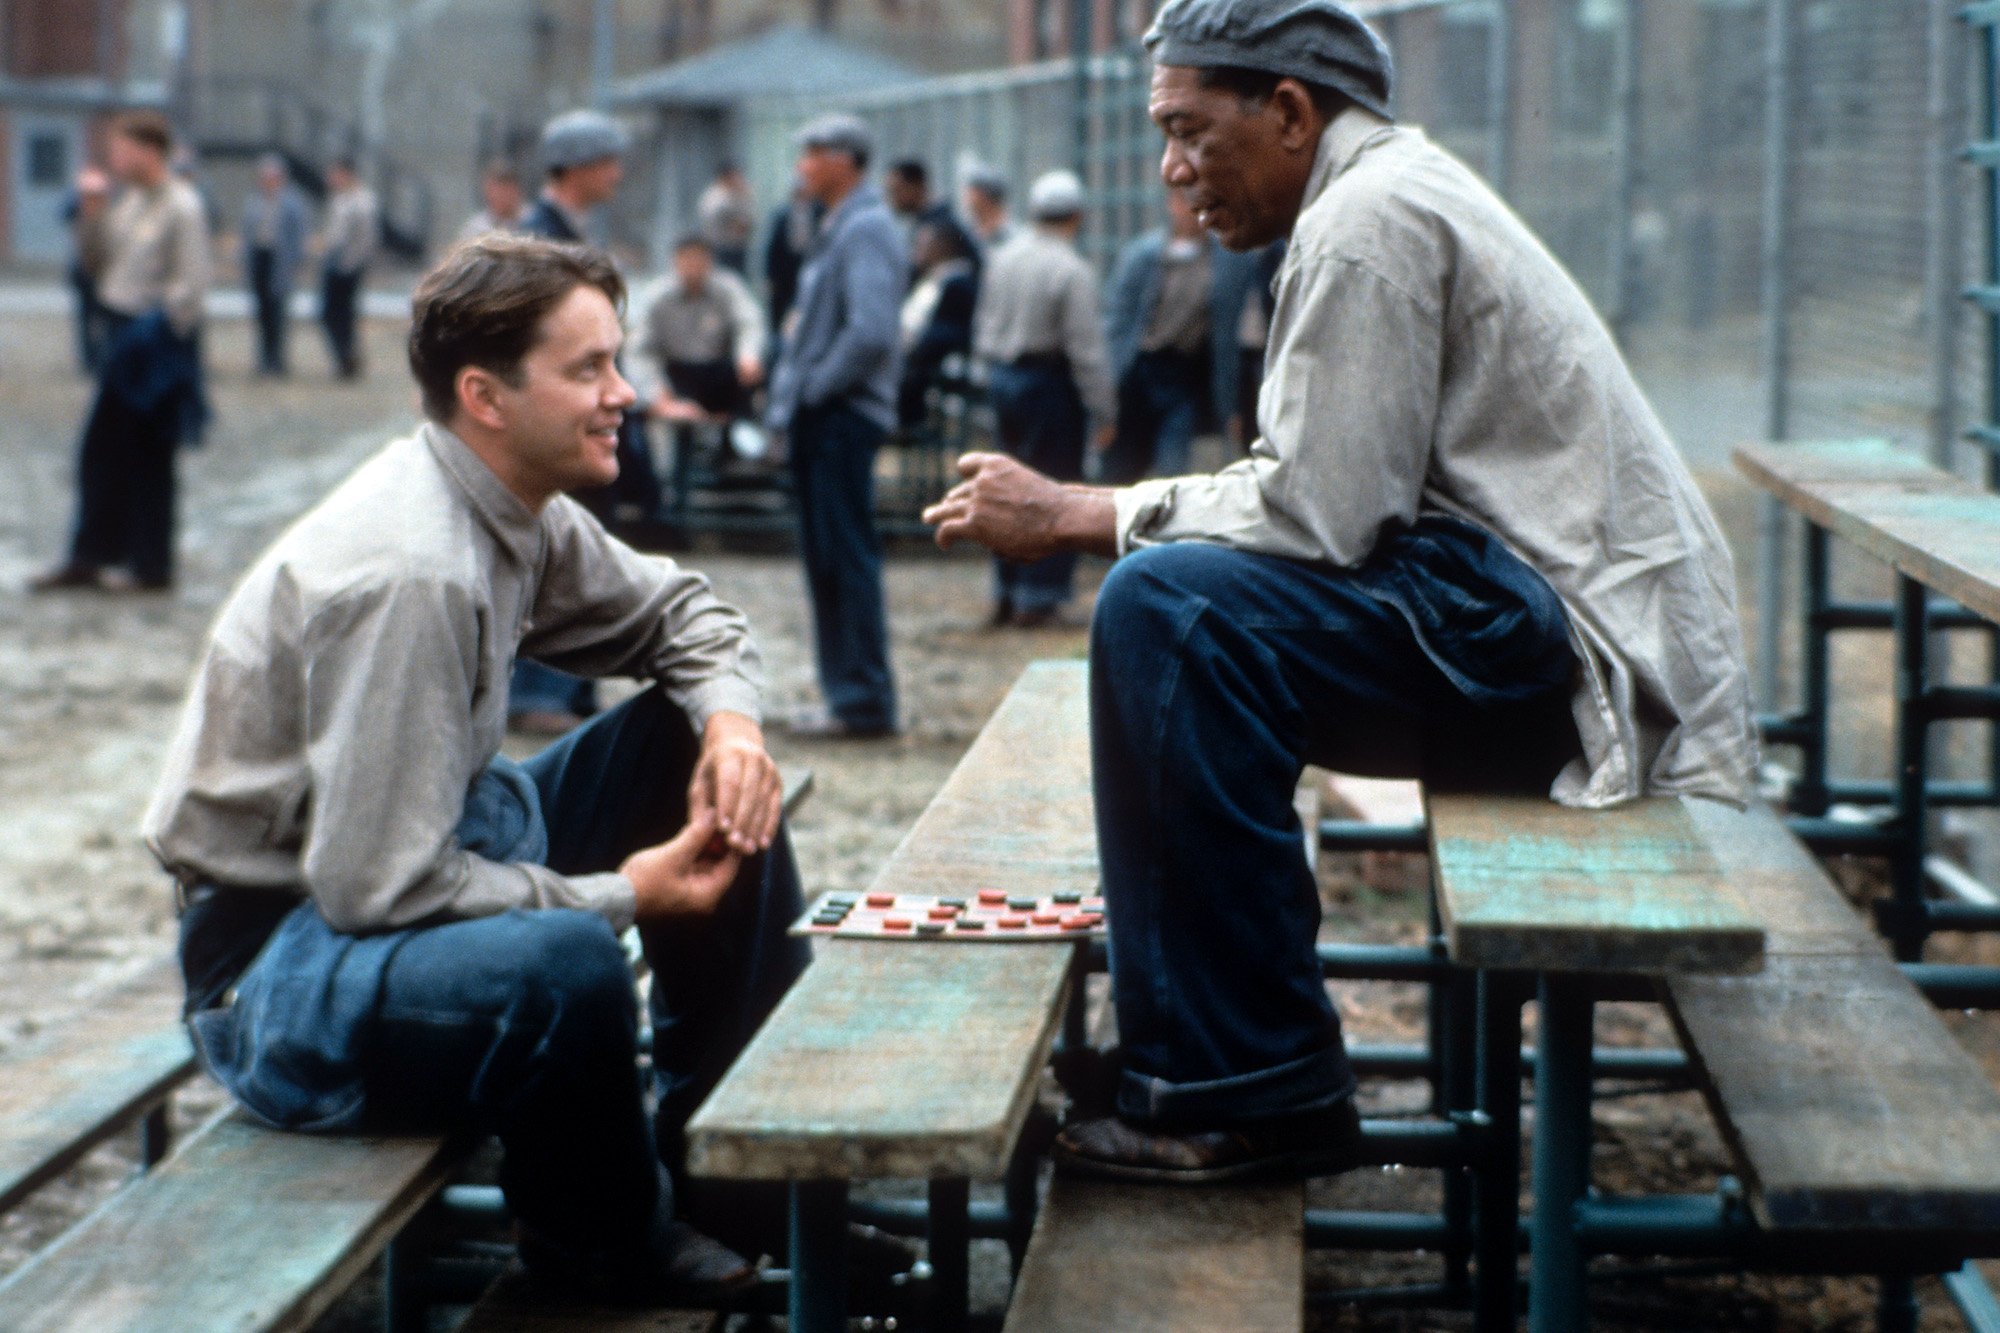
(353, 224)
(150, 252)
(355, 686)
(1428, 354)
(1039, 296)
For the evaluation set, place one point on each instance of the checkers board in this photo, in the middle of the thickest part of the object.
(986, 916)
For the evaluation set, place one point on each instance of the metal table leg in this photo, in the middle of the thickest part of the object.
(950, 1239)
(1556, 1297)
(818, 1294)
(1497, 1179)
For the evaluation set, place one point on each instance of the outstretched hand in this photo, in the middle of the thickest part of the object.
(684, 876)
(1019, 514)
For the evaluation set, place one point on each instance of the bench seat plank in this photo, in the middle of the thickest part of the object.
(1524, 883)
(1937, 528)
(1844, 1098)
(1143, 1259)
(87, 1078)
(514, 1304)
(912, 1061)
(285, 1223)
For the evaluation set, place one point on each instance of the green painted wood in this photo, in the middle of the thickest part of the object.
(515, 1304)
(88, 1077)
(244, 1228)
(914, 1061)
(1142, 1259)
(1845, 1100)
(1526, 884)
(1937, 528)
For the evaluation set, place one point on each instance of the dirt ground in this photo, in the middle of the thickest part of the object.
(90, 687)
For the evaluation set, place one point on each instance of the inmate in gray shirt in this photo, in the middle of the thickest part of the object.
(355, 686)
(1428, 354)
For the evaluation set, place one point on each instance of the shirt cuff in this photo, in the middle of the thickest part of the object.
(610, 895)
(725, 694)
(1141, 508)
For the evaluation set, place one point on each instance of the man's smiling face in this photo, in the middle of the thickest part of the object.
(1242, 163)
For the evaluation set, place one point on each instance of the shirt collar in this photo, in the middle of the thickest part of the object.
(858, 198)
(1340, 143)
(517, 527)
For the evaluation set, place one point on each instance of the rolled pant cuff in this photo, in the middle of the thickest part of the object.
(1316, 1081)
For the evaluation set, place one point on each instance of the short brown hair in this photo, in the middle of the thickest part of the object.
(483, 306)
(149, 128)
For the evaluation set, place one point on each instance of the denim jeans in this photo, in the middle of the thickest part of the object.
(1159, 402)
(523, 1025)
(1041, 422)
(833, 468)
(269, 299)
(1216, 675)
(339, 305)
(126, 484)
(534, 688)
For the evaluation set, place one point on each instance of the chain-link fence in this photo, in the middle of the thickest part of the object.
(1764, 197)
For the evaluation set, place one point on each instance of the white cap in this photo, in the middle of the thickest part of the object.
(1054, 196)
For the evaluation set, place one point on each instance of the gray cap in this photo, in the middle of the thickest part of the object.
(1314, 41)
(1055, 195)
(578, 137)
(989, 180)
(838, 130)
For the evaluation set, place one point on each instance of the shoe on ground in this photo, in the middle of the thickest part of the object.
(1322, 1142)
(819, 725)
(677, 1268)
(68, 578)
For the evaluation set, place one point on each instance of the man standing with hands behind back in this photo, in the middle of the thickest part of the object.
(387, 926)
(1464, 548)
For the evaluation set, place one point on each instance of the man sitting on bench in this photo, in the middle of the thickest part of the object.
(1464, 548)
(389, 928)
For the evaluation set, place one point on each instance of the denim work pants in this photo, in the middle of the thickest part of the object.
(339, 299)
(534, 688)
(125, 486)
(1216, 675)
(270, 300)
(524, 1024)
(1041, 421)
(833, 470)
(1159, 402)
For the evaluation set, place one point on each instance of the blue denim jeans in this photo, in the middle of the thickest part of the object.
(1041, 421)
(1216, 675)
(522, 1025)
(534, 688)
(1159, 404)
(833, 467)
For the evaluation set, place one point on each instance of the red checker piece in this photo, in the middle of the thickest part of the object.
(881, 900)
(992, 897)
(943, 913)
(1078, 921)
(1047, 918)
(895, 923)
(1013, 921)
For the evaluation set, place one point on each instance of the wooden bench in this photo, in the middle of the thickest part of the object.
(920, 1062)
(241, 1228)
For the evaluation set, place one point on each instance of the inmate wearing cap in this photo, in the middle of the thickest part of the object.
(1315, 41)
(576, 138)
(839, 131)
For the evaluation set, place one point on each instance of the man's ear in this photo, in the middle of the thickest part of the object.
(1299, 121)
(478, 392)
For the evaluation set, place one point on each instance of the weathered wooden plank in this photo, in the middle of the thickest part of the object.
(1845, 1100)
(1153, 1260)
(515, 1304)
(902, 1060)
(1780, 882)
(85, 1079)
(285, 1222)
(1934, 527)
(1524, 883)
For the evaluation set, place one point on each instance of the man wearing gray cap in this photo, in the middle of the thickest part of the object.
(1463, 548)
(1040, 331)
(833, 393)
(984, 200)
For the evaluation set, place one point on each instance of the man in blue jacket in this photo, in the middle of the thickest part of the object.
(274, 246)
(1176, 301)
(833, 393)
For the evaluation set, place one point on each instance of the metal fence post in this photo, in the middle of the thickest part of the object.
(1500, 95)
(1945, 229)
(1777, 296)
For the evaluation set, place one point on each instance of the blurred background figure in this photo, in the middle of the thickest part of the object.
(727, 215)
(1176, 298)
(88, 197)
(148, 253)
(353, 229)
(908, 187)
(700, 341)
(793, 225)
(1253, 334)
(1040, 332)
(937, 315)
(502, 201)
(984, 199)
(833, 392)
(274, 246)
